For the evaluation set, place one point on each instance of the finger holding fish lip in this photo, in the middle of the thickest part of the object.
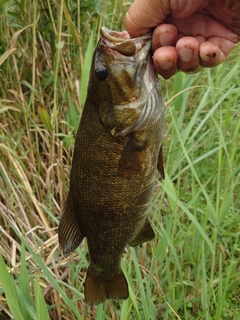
(165, 61)
(215, 51)
(188, 54)
(173, 51)
(164, 35)
(215, 40)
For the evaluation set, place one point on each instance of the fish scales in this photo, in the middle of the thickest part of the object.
(116, 156)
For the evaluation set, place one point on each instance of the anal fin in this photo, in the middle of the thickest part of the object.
(145, 234)
(97, 289)
(69, 234)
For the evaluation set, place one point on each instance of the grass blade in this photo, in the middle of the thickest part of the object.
(10, 291)
(42, 311)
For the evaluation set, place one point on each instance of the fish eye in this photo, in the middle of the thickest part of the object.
(102, 73)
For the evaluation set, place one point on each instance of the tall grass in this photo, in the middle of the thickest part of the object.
(191, 269)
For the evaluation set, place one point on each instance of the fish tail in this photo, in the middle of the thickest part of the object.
(97, 289)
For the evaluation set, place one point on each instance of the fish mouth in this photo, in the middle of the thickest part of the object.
(122, 43)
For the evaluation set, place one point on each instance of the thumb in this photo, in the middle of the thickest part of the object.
(143, 15)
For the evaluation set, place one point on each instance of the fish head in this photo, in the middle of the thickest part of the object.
(119, 66)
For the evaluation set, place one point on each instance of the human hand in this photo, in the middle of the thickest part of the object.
(187, 34)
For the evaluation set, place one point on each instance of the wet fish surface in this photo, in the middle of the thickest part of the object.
(116, 157)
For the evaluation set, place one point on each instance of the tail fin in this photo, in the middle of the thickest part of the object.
(97, 289)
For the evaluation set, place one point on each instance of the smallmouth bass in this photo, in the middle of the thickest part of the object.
(116, 157)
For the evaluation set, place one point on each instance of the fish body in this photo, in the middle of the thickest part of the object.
(116, 157)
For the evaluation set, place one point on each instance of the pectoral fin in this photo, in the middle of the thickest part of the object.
(69, 234)
(160, 164)
(130, 162)
(145, 234)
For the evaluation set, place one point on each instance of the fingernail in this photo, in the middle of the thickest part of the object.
(185, 54)
(205, 57)
(165, 65)
(166, 39)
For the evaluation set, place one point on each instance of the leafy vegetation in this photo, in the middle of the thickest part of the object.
(191, 269)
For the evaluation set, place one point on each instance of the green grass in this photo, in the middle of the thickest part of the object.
(191, 269)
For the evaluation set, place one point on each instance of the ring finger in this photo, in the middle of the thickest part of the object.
(188, 53)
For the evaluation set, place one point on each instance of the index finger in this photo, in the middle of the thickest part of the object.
(142, 16)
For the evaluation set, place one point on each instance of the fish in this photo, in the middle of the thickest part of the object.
(117, 155)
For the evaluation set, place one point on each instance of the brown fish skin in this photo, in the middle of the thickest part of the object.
(117, 153)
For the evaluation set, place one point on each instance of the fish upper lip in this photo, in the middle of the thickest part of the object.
(121, 42)
(122, 36)
(114, 36)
